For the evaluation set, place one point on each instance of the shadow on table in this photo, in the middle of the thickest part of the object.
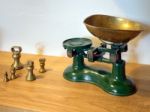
(141, 77)
(13, 109)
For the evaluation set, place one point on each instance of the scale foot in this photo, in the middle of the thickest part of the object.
(101, 79)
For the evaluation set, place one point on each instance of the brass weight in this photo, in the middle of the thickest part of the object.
(5, 79)
(42, 65)
(30, 75)
(13, 74)
(16, 50)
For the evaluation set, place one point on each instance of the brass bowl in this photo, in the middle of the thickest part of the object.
(112, 29)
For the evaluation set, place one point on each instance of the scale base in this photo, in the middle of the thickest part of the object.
(101, 79)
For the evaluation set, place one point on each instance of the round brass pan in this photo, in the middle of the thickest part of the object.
(112, 29)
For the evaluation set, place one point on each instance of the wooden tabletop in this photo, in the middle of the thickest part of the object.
(52, 93)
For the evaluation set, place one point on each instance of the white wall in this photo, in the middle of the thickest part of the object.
(35, 24)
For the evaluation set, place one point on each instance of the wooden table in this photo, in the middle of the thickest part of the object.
(52, 93)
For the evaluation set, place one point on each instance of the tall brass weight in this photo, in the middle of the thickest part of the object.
(16, 50)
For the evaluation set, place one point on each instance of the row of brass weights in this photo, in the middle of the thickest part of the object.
(17, 65)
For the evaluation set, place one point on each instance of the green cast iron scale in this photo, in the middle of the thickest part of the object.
(102, 26)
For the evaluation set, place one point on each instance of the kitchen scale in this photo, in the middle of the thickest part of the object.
(115, 33)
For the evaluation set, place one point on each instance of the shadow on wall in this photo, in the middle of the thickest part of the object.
(95, 41)
(136, 10)
(133, 45)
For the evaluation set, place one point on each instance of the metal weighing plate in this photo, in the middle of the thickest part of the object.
(77, 43)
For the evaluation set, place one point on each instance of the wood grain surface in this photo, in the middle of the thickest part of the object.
(52, 93)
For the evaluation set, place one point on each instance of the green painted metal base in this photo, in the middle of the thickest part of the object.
(114, 82)
(102, 79)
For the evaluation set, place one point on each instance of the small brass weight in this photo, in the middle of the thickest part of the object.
(16, 50)
(30, 75)
(13, 73)
(42, 65)
(5, 79)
